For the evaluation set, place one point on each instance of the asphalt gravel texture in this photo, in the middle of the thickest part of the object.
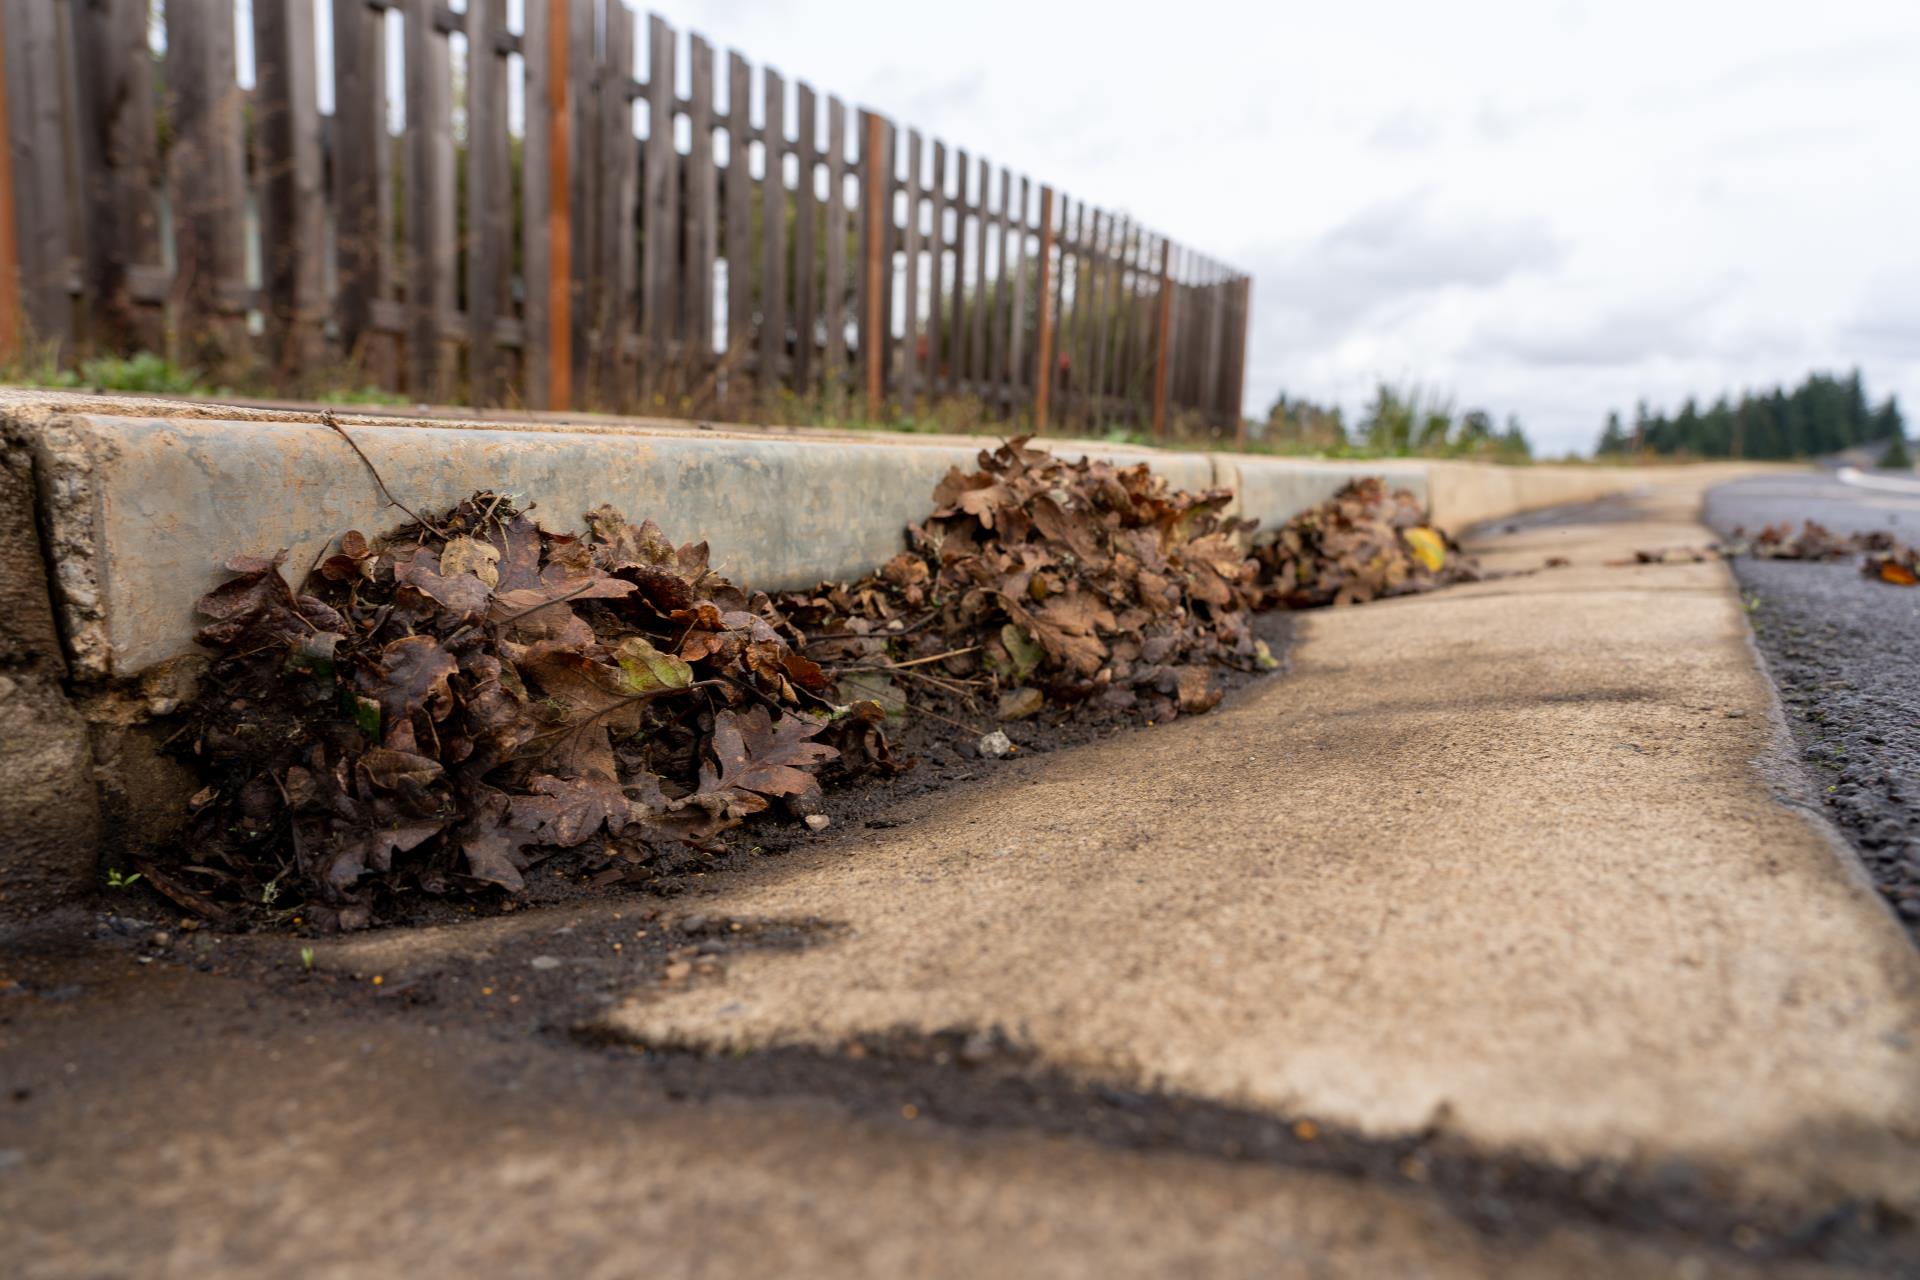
(1844, 650)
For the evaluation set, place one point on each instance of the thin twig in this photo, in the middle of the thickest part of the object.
(958, 688)
(487, 515)
(327, 418)
(951, 653)
(950, 685)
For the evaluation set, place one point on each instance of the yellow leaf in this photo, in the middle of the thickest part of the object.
(478, 558)
(1427, 547)
(645, 669)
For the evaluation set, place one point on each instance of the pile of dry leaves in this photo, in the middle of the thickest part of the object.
(1363, 544)
(435, 710)
(1039, 581)
(441, 702)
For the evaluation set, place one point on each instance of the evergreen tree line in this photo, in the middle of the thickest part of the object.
(1398, 422)
(1824, 414)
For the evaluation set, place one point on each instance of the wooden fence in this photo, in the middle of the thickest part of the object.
(530, 218)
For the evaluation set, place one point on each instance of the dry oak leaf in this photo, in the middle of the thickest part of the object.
(413, 675)
(979, 495)
(565, 811)
(257, 606)
(755, 754)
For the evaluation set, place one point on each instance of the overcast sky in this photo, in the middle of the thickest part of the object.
(1548, 208)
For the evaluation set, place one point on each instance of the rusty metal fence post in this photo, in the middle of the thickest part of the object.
(1163, 343)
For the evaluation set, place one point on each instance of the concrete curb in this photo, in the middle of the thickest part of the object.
(139, 501)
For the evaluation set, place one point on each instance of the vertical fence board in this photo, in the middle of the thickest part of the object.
(1043, 286)
(936, 380)
(1100, 368)
(360, 198)
(773, 234)
(660, 210)
(873, 240)
(617, 306)
(805, 258)
(536, 246)
(1136, 316)
(1210, 398)
(957, 338)
(889, 244)
(702, 219)
(118, 161)
(41, 207)
(1017, 381)
(1012, 256)
(836, 285)
(910, 361)
(977, 320)
(659, 213)
(429, 165)
(1162, 364)
(1073, 284)
(561, 337)
(1005, 317)
(739, 214)
(1062, 352)
(1120, 311)
(488, 178)
(806, 248)
(12, 321)
(207, 173)
(585, 172)
(1244, 319)
(287, 149)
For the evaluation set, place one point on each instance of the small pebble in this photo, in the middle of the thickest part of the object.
(543, 963)
(996, 745)
(818, 822)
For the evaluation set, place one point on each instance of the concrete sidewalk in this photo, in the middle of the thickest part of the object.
(1503, 861)
(1498, 872)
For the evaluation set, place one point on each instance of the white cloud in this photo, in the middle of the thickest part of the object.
(1553, 209)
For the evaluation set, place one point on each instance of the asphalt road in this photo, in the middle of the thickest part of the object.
(1845, 652)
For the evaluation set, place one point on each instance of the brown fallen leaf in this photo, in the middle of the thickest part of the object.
(755, 753)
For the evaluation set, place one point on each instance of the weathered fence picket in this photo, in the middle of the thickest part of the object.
(510, 234)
